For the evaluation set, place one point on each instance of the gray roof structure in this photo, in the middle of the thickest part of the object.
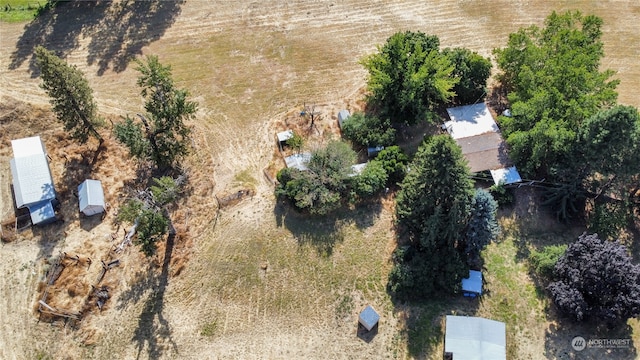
(476, 132)
(368, 317)
(32, 182)
(475, 338)
(298, 161)
(285, 135)
(91, 197)
(342, 116)
(357, 169)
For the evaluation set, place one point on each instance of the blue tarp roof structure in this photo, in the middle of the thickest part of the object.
(473, 284)
(368, 318)
(475, 338)
(32, 182)
(374, 150)
(91, 197)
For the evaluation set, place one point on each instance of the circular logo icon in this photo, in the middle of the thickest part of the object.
(578, 343)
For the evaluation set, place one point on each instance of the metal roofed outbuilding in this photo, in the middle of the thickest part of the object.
(32, 182)
(475, 338)
(91, 197)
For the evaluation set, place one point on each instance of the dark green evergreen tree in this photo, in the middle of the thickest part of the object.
(162, 135)
(432, 211)
(482, 227)
(71, 97)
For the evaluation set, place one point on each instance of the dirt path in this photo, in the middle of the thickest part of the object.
(248, 63)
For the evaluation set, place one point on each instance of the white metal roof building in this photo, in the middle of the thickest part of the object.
(476, 132)
(475, 338)
(32, 182)
(91, 197)
(298, 161)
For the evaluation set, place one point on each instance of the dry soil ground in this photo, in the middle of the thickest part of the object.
(261, 283)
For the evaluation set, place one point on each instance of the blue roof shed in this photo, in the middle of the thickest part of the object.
(368, 318)
(472, 286)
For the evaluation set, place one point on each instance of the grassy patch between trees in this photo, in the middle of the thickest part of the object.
(19, 10)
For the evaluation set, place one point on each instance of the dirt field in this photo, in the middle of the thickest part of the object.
(261, 283)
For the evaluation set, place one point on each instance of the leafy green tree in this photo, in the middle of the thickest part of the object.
(129, 211)
(148, 212)
(554, 83)
(482, 226)
(608, 218)
(71, 97)
(433, 208)
(503, 195)
(322, 188)
(394, 162)
(164, 190)
(371, 181)
(543, 262)
(604, 165)
(408, 76)
(152, 226)
(368, 130)
(473, 70)
(610, 147)
(296, 142)
(164, 137)
(597, 280)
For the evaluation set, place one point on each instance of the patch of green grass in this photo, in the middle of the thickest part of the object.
(210, 328)
(19, 10)
(424, 330)
(511, 296)
(42, 355)
(245, 178)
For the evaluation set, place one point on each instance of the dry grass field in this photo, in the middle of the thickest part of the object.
(260, 281)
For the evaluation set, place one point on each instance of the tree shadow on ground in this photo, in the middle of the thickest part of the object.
(153, 331)
(531, 225)
(118, 31)
(422, 323)
(560, 334)
(324, 232)
(130, 26)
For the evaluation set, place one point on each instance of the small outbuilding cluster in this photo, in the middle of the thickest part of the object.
(476, 132)
(33, 186)
(32, 182)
